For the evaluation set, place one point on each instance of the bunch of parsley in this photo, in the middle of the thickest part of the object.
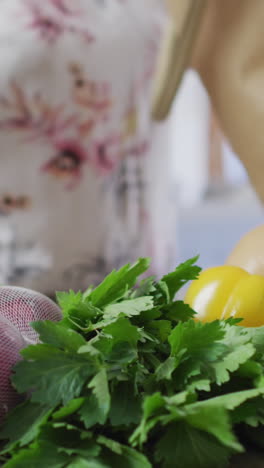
(129, 379)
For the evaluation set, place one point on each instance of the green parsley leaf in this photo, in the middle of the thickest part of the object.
(178, 311)
(128, 308)
(69, 301)
(232, 361)
(39, 455)
(185, 272)
(166, 368)
(125, 406)
(117, 283)
(81, 462)
(91, 413)
(194, 448)
(54, 375)
(124, 456)
(58, 335)
(27, 420)
(68, 409)
(214, 420)
(99, 386)
(201, 340)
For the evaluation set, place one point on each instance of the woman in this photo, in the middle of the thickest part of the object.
(78, 143)
(84, 176)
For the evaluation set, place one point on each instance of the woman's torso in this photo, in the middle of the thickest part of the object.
(83, 180)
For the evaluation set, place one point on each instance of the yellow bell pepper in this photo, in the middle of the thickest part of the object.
(228, 291)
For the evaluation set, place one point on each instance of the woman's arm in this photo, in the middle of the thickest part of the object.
(224, 42)
(230, 59)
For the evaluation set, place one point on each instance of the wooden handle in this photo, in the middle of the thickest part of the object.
(175, 53)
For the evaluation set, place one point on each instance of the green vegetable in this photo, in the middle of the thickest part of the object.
(129, 379)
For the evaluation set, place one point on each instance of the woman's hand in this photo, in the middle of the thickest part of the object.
(19, 307)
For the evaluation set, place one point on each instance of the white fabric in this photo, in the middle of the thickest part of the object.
(75, 88)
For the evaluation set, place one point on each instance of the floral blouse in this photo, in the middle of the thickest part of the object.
(84, 172)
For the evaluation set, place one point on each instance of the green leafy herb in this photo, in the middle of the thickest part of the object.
(129, 379)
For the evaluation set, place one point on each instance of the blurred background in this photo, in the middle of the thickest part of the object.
(217, 204)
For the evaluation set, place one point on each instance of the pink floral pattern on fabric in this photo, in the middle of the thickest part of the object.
(51, 23)
(71, 156)
(32, 115)
(37, 119)
(67, 164)
(92, 95)
(80, 190)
